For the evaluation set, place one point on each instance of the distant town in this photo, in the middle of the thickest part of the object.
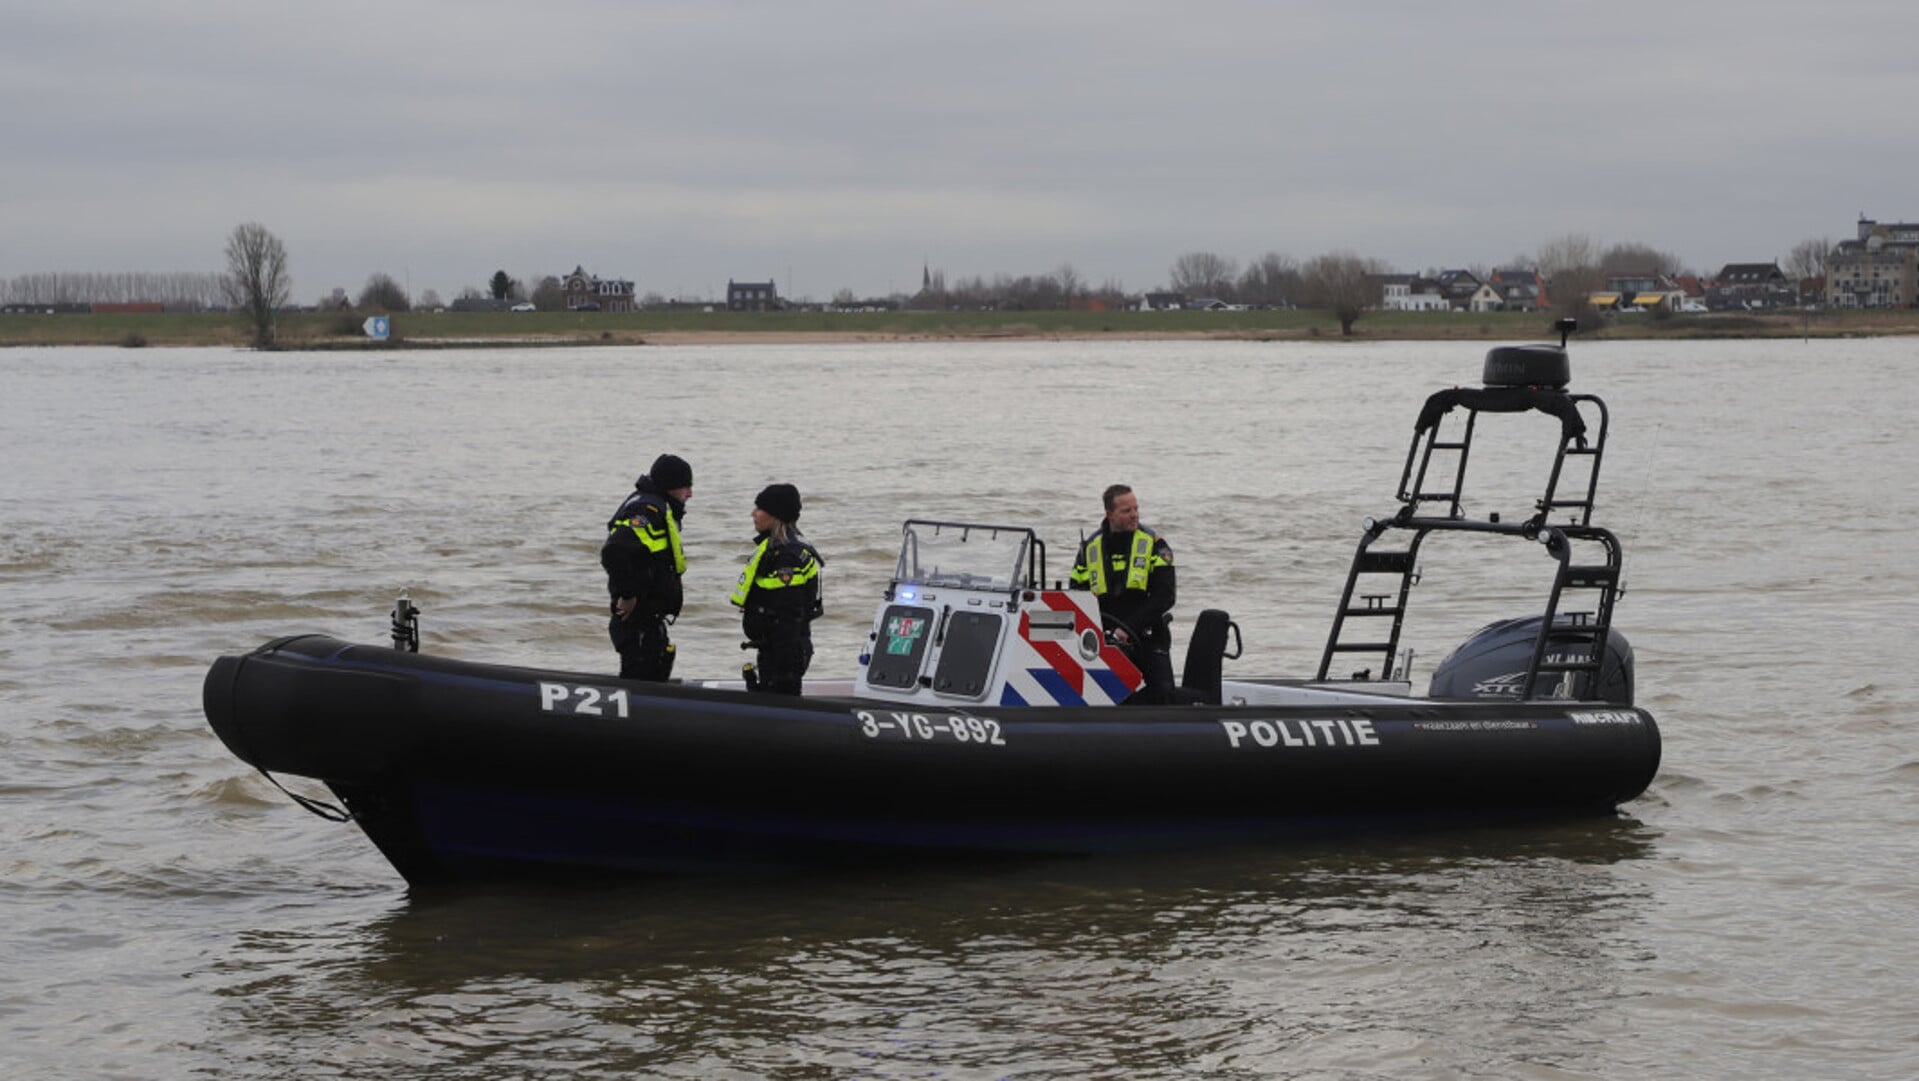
(1878, 267)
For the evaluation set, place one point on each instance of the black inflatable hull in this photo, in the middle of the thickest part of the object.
(458, 770)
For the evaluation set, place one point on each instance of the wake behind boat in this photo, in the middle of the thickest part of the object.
(985, 714)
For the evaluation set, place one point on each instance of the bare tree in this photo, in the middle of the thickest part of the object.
(175, 292)
(969, 293)
(1808, 258)
(382, 293)
(1636, 259)
(1570, 264)
(257, 281)
(1568, 251)
(1005, 292)
(1070, 284)
(548, 295)
(1271, 280)
(1204, 274)
(1039, 293)
(1344, 284)
(431, 299)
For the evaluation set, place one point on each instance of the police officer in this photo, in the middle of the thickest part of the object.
(1130, 569)
(644, 562)
(779, 593)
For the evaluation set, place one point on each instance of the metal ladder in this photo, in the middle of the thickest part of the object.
(1601, 579)
(1373, 604)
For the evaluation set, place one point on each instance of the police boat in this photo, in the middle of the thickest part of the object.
(986, 715)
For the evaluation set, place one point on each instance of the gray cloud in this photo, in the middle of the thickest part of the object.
(841, 144)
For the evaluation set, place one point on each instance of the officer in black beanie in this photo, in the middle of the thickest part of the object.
(644, 563)
(779, 592)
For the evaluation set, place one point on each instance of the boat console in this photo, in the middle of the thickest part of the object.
(967, 619)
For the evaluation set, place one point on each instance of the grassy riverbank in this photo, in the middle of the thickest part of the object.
(334, 330)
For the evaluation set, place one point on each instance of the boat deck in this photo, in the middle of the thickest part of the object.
(1265, 691)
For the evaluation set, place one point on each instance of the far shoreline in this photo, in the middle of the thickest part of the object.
(337, 331)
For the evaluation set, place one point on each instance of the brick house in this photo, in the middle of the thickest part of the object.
(584, 292)
(752, 297)
(1461, 287)
(1521, 290)
(1752, 286)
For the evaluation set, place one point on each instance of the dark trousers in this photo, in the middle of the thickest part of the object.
(645, 651)
(1155, 662)
(785, 652)
(1152, 654)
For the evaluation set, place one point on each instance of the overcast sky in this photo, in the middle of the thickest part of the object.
(832, 144)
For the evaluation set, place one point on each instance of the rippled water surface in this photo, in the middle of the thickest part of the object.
(164, 912)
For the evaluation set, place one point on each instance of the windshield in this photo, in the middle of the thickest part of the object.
(964, 556)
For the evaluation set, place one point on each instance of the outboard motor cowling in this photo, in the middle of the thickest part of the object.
(1492, 663)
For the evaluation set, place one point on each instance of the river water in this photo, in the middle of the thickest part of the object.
(164, 912)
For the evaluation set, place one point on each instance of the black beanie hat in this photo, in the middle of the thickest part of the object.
(671, 471)
(782, 501)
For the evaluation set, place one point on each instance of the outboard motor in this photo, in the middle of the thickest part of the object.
(1493, 662)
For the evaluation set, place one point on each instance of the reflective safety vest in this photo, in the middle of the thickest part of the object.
(1139, 564)
(750, 578)
(655, 538)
